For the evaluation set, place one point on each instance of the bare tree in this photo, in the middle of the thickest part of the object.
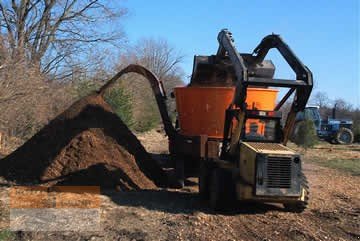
(343, 104)
(53, 33)
(157, 55)
(321, 99)
(164, 61)
(28, 101)
(343, 108)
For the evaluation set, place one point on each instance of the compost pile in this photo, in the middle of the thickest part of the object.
(88, 144)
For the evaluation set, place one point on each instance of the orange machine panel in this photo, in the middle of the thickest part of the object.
(201, 110)
(261, 99)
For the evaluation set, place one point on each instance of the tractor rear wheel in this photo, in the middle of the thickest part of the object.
(222, 189)
(344, 136)
(300, 206)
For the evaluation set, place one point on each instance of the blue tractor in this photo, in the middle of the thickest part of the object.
(332, 130)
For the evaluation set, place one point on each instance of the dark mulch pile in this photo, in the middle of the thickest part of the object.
(88, 144)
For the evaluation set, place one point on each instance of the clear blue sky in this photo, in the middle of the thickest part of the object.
(324, 34)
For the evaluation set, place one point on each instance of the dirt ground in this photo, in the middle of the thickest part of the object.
(171, 214)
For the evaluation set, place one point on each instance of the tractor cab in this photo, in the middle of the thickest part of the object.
(310, 113)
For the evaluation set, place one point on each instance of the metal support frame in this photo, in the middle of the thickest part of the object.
(302, 85)
(284, 99)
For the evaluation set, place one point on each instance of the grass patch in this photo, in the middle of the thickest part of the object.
(6, 235)
(350, 165)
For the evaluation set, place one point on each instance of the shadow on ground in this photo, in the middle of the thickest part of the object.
(177, 202)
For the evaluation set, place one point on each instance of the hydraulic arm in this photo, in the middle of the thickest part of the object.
(246, 69)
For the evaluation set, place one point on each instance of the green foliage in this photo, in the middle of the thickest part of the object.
(117, 98)
(6, 235)
(305, 134)
(150, 119)
(120, 101)
(84, 88)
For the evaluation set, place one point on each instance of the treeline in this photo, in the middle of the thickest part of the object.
(54, 52)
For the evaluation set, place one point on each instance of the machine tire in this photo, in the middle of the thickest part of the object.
(342, 133)
(222, 190)
(204, 176)
(299, 206)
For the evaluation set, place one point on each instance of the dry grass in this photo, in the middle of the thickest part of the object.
(341, 157)
(350, 165)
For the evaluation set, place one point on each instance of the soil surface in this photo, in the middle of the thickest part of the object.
(172, 214)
